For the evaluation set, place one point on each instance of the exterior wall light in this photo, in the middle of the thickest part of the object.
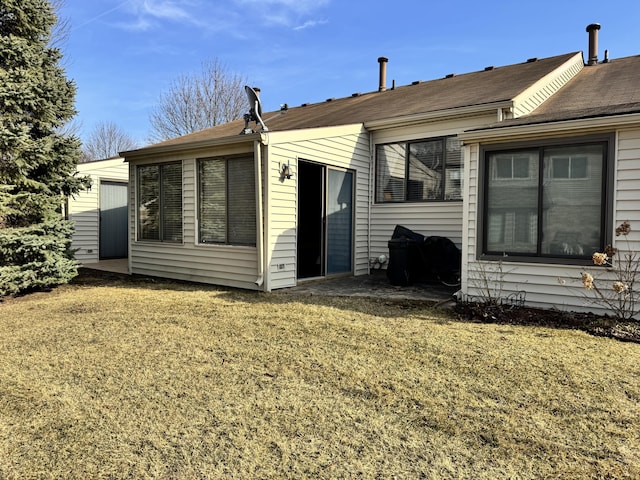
(285, 171)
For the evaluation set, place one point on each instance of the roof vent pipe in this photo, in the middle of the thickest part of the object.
(383, 73)
(593, 43)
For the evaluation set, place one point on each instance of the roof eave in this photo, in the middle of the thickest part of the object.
(550, 128)
(437, 115)
(188, 146)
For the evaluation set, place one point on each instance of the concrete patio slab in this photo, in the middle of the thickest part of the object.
(116, 265)
(375, 285)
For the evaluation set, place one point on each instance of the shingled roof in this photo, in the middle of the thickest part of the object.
(600, 90)
(486, 87)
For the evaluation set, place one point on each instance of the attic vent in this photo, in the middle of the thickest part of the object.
(486, 69)
(531, 60)
(357, 94)
(304, 104)
(451, 75)
(330, 99)
(417, 82)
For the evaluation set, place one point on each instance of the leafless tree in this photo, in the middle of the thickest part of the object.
(105, 141)
(198, 101)
(61, 29)
(70, 129)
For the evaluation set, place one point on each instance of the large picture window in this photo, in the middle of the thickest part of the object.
(545, 200)
(227, 201)
(426, 170)
(159, 202)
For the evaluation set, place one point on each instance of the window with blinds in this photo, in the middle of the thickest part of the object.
(159, 202)
(227, 201)
(425, 170)
(546, 200)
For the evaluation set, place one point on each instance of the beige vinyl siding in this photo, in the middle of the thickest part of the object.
(221, 265)
(442, 219)
(84, 207)
(439, 218)
(527, 101)
(627, 201)
(545, 286)
(469, 214)
(551, 285)
(343, 147)
(234, 266)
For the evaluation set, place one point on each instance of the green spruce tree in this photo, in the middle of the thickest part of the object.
(37, 163)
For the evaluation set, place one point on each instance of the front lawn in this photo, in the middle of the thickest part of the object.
(152, 379)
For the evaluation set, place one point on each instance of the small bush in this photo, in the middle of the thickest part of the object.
(615, 290)
(36, 257)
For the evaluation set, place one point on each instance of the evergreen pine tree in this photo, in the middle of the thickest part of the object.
(37, 163)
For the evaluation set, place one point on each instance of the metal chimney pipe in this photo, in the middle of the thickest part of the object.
(383, 73)
(593, 43)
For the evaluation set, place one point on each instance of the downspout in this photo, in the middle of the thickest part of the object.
(371, 199)
(266, 234)
(257, 150)
(132, 213)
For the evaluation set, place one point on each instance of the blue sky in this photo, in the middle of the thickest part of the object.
(124, 54)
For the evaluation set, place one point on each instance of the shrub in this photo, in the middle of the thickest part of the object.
(36, 257)
(616, 289)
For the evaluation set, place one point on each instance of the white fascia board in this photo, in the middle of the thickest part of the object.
(558, 128)
(97, 164)
(312, 133)
(449, 113)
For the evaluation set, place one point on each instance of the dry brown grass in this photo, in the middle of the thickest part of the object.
(162, 380)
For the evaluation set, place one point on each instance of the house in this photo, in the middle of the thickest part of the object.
(318, 192)
(548, 189)
(100, 213)
(214, 206)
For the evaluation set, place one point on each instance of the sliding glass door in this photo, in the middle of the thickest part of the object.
(325, 220)
(339, 221)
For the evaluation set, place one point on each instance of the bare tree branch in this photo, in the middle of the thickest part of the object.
(195, 102)
(60, 31)
(105, 141)
(71, 128)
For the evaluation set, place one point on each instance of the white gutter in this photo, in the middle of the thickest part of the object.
(437, 115)
(257, 149)
(187, 147)
(551, 128)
